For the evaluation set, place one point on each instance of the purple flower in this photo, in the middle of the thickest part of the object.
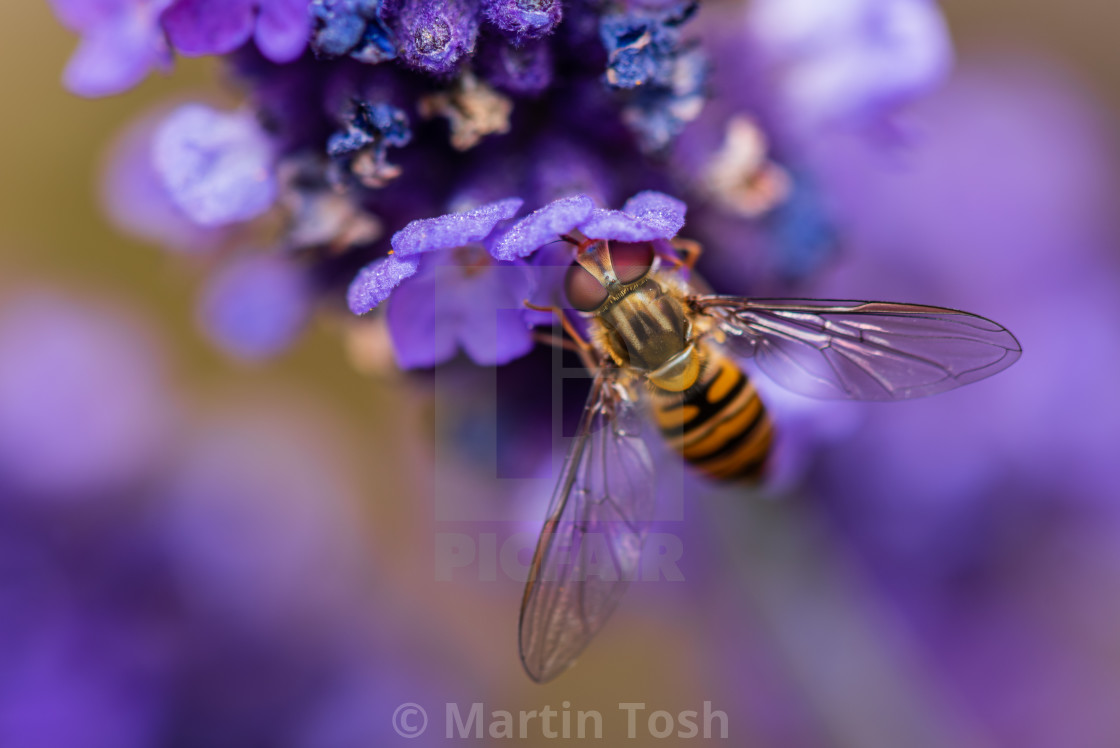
(434, 37)
(217, 166)
(256, 306)
(521, 69)
(849, 61)
(121, 43)
(136, 199)
(71, 678)
(82, 402)
(1017, 248)
(280, 28)
(452, 294)
(376, 281)
(257, 527)
(523, 19)
(457, 296)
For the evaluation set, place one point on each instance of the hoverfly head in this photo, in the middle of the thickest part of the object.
(601, 269)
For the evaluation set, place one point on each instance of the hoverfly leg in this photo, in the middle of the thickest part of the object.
(575, 342)
(573, 333)
(691, 250)
(561, 342)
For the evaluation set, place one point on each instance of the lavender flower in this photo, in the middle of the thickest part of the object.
(216, 166)
(82, 406)
(122, 41)
(473, 272)
(280, 28)
(539, 100)
(256, 305)
(853, 60)
(452, 293)
(136, 198)
(436, 37)
(523, 19)
(208, 580)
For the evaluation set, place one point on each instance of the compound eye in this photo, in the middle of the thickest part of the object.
(631, 260)
(584, 292)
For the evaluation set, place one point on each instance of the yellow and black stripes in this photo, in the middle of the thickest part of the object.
(720, 424)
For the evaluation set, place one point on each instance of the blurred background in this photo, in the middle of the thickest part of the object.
(196, 551)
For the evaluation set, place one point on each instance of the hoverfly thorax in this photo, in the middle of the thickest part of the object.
(641, 323)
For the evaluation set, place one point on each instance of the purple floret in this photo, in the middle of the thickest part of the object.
(214, 27)
(83, 402)
(522, 69)
(450, 306)
(523, 19)
(257, 306)
(217, 166)
(851, 60)
(435, 36)
(121, 43)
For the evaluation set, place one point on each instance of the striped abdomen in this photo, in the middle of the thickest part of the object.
(719, 424)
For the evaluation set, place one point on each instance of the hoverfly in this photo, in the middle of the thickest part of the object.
(658, 348)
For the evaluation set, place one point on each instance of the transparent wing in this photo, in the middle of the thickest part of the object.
(590, 546)
(862, 350)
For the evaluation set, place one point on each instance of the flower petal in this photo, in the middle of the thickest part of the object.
(454, 229)
(117, 52)
(283, 29)
(646, 216)
(209, 27)
(376, 281)
(543, 226)
(217, 166)
(422, 330)
(492, 328)
(657, 209)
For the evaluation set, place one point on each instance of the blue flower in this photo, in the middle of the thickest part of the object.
(361, 148)
(352, 27)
